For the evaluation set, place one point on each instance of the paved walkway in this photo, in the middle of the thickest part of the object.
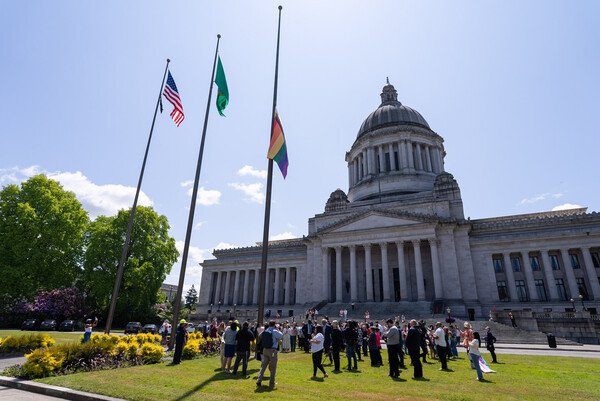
(21, 395)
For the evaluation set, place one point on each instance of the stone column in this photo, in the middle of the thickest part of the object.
(365, 162)
(350, 178)
(434, 165)
(288, 286)
(392, 159)
(372, 160)
(381, 158)
(338, 274)
(440, 156)
(428, 158)
(277, 296)
(411, 159)
(268, 287)
(419, 164)
(591, 273)
(218, 289)
(573, 289)
(550, 283)
(246, 287)
(385, 272)
(529, 276)
(402, 271)
(356, 171)
(353, 275)
(236, 287)
(419, 270)
(325, 253)
(437, 274)
(368, 272)
(403, 155)
(510, 278)
(227, 289)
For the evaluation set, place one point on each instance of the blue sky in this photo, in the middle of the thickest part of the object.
(511, 86)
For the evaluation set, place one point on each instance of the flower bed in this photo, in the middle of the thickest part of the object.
(11, 344)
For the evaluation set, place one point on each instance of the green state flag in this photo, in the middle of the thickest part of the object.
(223, 92)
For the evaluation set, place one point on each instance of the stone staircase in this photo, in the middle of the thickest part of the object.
(377, 310)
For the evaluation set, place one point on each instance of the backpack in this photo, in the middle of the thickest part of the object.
(266, 339)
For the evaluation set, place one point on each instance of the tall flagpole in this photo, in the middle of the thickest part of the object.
(190, 225)
(265, 243)
(115, 293)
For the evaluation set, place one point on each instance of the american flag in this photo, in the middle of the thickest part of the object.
(172, 95)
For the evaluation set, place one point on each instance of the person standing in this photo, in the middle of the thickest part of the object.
(475, 353)
(243, 338)
(337, 344)
(489, 344)
(307, 331)
(413, 344)
(164, 331)
(512, 319)
(393, 341)
(180, 340)
(400, 344)
(89, 326)
(293, 336)
(229, 338)
(316, 348)
(269, 340)
(351, 340)
(327, 339)
(441, 345)
(373, 348)
(286, 344)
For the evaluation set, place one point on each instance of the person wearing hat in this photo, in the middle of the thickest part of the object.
(489, 344)
(180, 341)
(89, 325)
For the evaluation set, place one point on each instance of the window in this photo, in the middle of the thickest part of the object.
(397, 161)
(498, 266)
(554, 262)
(574, 261)
(516, 264)
(582, 288)
(388, 165)
(502, 291)
(521, 291)
(535, 263)
(541, 290)
(595, 259)
(560, 286)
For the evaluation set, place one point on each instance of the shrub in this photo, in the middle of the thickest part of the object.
(132, 349)
(152, 353)
(191, 349)
(26, 342)
(41, 362)
(10, 343)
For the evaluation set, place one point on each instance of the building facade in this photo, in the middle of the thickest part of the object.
(399, 236)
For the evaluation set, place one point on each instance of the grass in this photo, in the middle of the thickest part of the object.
(518, 377)
(61, 337)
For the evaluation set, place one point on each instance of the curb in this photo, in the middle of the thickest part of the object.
(54, 391)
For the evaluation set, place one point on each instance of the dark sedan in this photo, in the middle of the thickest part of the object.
(49, 324)
(70, 325)
(133, 328)
(150, 328)
(30, 324)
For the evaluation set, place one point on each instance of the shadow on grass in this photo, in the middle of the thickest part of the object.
(216, 377)
(398, 379)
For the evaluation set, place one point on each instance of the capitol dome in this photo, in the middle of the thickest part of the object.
(391, 112)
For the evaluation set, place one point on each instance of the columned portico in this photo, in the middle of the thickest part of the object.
(353, 275)
(419, 270)
(385, 272)
(402, 271)
(368, 272)
(338, 274)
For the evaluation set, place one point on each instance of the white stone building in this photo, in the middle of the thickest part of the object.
(399, 236)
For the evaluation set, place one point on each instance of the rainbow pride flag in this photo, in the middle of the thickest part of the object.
(278, 148)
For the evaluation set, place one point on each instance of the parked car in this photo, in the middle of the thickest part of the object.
(133, 328)
(150, 328)
(49, 324)
(70, 325)
(30, 324)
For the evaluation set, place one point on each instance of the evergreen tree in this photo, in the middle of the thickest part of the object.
(191, 298)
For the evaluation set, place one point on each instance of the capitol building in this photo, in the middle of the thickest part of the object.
(399, 236)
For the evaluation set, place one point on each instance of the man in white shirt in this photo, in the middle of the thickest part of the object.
(269, 355)
(441, 344)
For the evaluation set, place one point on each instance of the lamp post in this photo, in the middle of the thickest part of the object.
(234, 306)
(573, 303)
(219, 309)
(448, 312)
(582, 304)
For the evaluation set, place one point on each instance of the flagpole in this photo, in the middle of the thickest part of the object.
(190, 225)
(265, 243)
(121, 267)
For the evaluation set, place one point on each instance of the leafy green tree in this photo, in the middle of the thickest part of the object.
(191, 298)
(42, 232)
(151, 255)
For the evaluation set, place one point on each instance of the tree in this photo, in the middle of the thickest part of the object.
(42, 232)
(191, 298)
(60, 303)
(151, 255)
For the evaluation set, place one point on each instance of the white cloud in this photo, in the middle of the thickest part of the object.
(187, 183)
(224, 245)
(97, 199)
(540, 197)
(207, 197)
(249, 170)
(290, 225)
(566, 206)
(253, 191)
(199, 224)
(285, 235)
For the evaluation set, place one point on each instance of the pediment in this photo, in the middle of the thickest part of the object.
(372, 221)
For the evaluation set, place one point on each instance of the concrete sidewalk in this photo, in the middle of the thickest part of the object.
(22, 386)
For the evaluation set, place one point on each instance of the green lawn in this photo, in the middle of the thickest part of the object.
(519, 377)
(61, 337)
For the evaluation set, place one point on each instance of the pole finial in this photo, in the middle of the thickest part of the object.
(168, 60)
(218, 35)
(387, 79)
(280, 8)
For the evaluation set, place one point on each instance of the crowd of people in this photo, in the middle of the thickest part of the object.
(326, 340)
